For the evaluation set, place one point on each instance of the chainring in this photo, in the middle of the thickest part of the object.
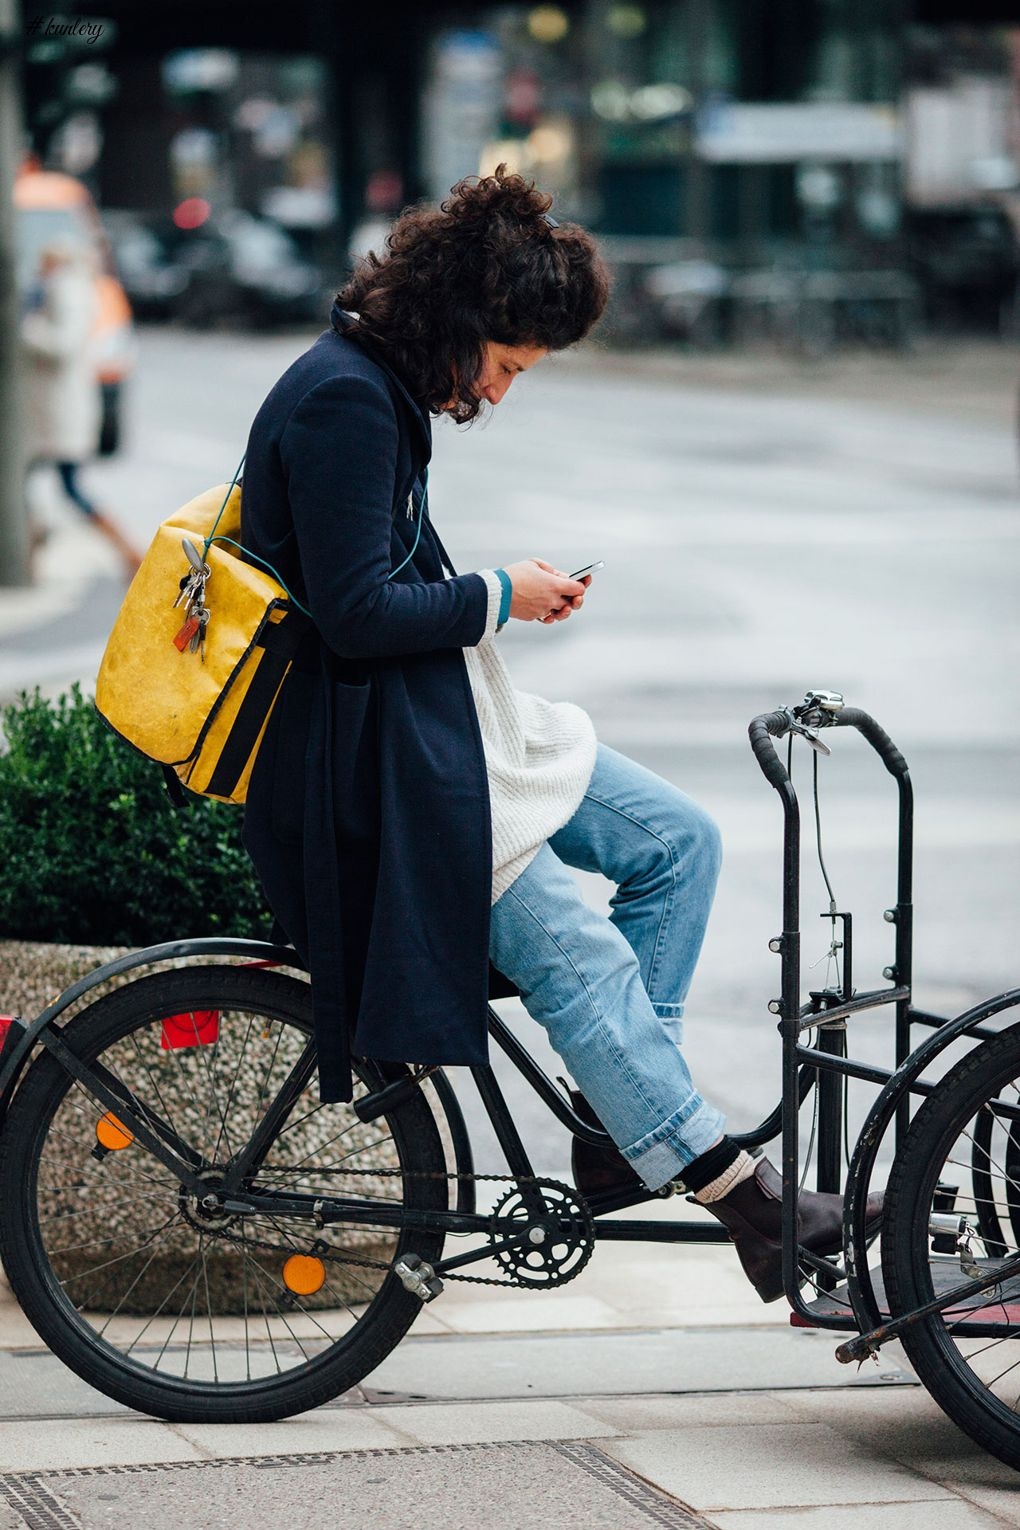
(557, 1238)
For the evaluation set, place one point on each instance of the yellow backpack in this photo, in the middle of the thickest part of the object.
(200, 648)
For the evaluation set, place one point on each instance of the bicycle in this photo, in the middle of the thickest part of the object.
(193, 1233)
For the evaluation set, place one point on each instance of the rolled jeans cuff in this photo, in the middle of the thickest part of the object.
(664, 1153)
(671, 1016)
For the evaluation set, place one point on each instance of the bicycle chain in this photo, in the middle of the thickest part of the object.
(381, 1264)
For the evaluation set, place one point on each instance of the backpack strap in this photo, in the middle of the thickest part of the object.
(219, 515)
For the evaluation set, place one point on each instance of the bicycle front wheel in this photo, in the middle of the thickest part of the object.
(192, 1315)
(949, 1223)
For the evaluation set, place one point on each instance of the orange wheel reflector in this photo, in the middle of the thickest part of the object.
(113, 1134)
(304, 1275)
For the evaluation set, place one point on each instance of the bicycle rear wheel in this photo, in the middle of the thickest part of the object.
(967, 1356)
(128, 1279)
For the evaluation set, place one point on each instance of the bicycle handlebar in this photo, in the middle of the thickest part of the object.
(877, 737)
(769, 725)
(761, 732)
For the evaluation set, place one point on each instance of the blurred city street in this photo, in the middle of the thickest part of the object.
(767, 527)
(761, 267)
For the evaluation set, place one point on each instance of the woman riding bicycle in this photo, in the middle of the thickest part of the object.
(412, 815)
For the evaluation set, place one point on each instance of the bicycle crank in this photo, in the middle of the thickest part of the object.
(541, 1245)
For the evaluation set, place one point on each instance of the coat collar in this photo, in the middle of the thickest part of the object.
(342, 322)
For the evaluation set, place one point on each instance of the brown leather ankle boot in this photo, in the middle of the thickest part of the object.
(597, 1170)
(753, 1213)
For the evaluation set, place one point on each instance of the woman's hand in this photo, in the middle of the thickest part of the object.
(542, 593)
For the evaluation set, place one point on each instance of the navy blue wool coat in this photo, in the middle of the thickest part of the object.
(367, 816)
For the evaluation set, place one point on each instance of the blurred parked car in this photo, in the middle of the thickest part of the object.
(154, 276)
(691, 298)
(277, 283)
(50, 205)
(234, 268)
(967, 262)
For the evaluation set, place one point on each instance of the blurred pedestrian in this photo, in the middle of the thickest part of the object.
(63, 407)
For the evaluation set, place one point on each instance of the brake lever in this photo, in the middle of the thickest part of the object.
(812, 737)
(819, 709)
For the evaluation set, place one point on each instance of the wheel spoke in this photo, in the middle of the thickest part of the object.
(173, 1329)
(119, 1259)
(242, 1053)
(158, 1312)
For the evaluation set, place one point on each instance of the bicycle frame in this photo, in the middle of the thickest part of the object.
(825, 1063)
(22, 1042)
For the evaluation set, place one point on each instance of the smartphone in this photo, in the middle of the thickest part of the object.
(589, 568)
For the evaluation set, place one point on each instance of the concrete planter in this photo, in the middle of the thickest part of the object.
(34, 972)
(31, 976)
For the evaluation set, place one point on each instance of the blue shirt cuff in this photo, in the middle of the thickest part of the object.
(508, 595)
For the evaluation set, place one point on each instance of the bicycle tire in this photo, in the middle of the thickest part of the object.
(991, 1231)
(279, 1357)
(953, 1365)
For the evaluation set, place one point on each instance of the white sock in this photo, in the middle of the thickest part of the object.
(740, 1169)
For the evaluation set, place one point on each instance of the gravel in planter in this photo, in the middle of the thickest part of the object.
(121, 1233)
(34, 972)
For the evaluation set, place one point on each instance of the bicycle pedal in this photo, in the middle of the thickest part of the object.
(417, 1276)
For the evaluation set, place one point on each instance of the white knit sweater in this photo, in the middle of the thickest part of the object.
(539, 755)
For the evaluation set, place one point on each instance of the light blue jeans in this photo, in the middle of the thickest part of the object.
(610, 991)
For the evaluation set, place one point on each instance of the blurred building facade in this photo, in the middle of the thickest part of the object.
(750, 134)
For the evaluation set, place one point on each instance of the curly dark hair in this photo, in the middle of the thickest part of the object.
(487, 264)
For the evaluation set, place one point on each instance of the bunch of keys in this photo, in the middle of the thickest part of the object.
(192, 591)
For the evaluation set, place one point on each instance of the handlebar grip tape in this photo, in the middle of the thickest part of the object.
(852, 717)
(759, 732)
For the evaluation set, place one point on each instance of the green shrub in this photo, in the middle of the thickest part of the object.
(92, 852)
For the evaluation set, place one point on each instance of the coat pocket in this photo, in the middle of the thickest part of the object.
(355, 760)
(308, 760)
(292, 719)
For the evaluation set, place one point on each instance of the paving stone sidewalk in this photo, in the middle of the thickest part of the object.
(520, 1411)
